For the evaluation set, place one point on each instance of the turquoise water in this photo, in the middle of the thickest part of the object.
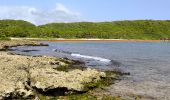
(147, 62)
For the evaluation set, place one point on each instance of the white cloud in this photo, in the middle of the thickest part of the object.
(37, 16)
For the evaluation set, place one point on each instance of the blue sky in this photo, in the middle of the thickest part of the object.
(47, 11)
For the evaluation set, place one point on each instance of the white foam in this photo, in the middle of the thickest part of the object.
(91, 57)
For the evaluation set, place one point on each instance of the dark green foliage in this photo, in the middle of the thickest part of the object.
(138, 29)
(17, 28)
(3, 37)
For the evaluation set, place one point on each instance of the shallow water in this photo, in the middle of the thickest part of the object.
(148, 63)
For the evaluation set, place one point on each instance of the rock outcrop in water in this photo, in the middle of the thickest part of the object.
(21, 76)
(4, 45)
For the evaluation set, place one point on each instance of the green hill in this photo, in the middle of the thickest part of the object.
(17, 28)
(138, 29)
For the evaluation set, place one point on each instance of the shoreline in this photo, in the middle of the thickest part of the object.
(88, 40)
(30, 77)
(133, 94)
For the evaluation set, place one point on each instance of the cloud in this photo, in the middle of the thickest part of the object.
(38, 16)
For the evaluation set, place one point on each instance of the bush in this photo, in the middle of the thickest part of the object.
(3, 37)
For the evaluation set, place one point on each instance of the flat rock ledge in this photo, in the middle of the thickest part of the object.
(21, 76)
(6, 44)
(48, 78)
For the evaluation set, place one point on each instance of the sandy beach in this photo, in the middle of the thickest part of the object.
(88, 40)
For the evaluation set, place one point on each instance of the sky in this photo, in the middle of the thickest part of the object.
(48, 11)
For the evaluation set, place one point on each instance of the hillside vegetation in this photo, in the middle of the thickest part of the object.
(138, 29)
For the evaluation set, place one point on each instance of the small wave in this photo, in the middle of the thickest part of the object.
(91, 57)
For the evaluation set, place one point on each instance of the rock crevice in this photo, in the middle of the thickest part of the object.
(23, 76)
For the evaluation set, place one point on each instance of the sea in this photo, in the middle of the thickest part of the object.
(147, 62)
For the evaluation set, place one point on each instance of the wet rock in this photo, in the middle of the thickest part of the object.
(28, 50)
(61, 51)
(4, 45)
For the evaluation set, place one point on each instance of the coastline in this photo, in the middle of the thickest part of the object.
(22, 75)
(87, 40)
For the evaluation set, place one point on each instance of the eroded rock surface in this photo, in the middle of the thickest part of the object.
(14, 71)
(48, 78)
(20, 75)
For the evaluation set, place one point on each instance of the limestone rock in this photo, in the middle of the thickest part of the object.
(10, 90)
(5, 44)
(48, 78)
(14, 72)
(20, 74)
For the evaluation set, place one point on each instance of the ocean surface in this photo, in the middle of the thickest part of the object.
(148, 63)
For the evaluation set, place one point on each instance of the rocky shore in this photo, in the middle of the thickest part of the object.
(4, 45)
(24, 76)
